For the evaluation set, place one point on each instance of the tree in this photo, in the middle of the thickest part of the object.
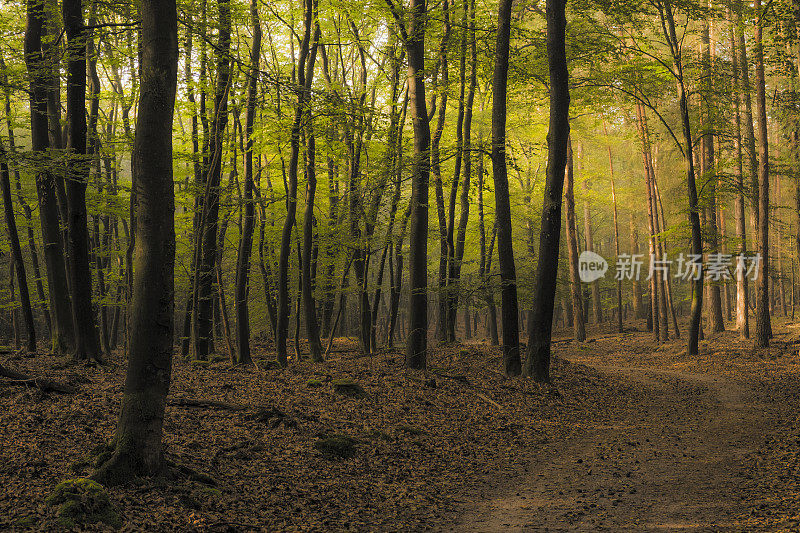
(246, 242)
(541, 318)
(87, 343)
(505, 245)
(414, 38)
(137, 443)
(16, 251)
(763, 325)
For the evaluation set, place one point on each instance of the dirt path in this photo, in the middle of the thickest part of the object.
(673, 460)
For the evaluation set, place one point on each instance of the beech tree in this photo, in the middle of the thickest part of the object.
(137, 448)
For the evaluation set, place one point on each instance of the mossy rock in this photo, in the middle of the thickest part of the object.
(337, 446)
(313, 384)
(200, 363)
(348, 387)
(82, 501)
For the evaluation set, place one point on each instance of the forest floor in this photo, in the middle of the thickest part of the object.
(631, 436)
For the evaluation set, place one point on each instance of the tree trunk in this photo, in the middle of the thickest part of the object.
(417, 340)
(243, 355)
(455, 270)
(309, 305)
(62, 333)
(16, 251)
(616, 233)
(578, 322)
(763, 326)
(505, 246)
(638, 307)
(694, 215)
(540, 322)
(137, 445)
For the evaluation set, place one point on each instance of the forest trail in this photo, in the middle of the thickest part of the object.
(673, 460)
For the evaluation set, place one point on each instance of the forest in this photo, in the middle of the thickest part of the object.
(400, 265)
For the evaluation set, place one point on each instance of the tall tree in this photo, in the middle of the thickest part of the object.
(414, 38)
(206, 256)
(87, 343)
(137, 444)
(248, 223)
(62, 332)
(16, 251)
(670, 34)
(763, 325)
(505, 245)
(541, 318)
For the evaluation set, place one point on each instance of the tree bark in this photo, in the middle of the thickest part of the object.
(505, 246)
(243, 355)
(541, 317)
(62, 333)
(579, 321)
(16, 251)
(137, 444)
(763, 326)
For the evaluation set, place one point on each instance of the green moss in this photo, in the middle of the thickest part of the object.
(82, 501)
(348, 387)
(313, 383)
(200, 363)
(337, 446)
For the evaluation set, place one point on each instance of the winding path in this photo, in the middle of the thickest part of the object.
(674, 460)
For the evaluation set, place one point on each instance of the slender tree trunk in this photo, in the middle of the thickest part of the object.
(455, 270)
(26, 209)
(594, 287)
(62, 332)
(694, 215)
(206, 238)
(638, 306)
(540, 323)
(579, 322)
(309, 305)
(616, 233)
(436, 170)
(243, 355)
(417, 340)
(505, 246)
(763, 326)
(87, 344)
(16, 251)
